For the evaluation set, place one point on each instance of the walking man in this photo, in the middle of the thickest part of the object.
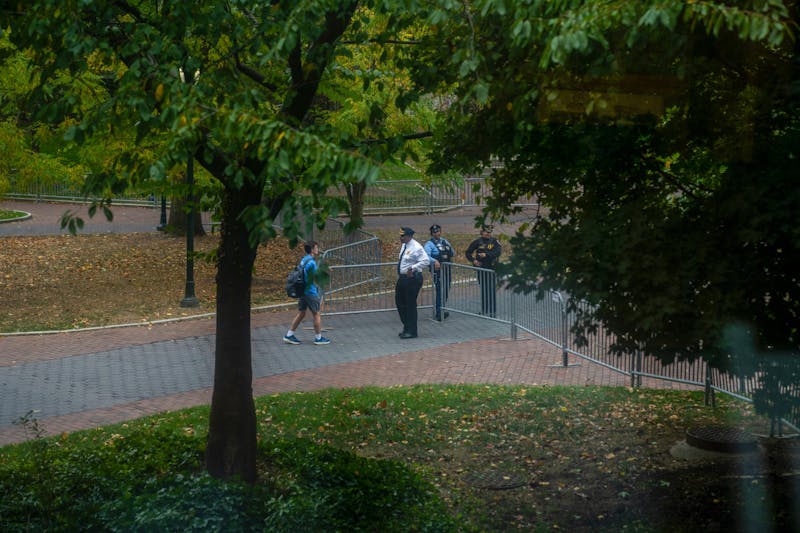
(310, 299)
(413, 260)
(439, 251)
(484, 252)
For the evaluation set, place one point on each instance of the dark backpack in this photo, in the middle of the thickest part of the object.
(296, 281)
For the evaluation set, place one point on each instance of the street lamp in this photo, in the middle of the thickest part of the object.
(163, 220)
(189, 299)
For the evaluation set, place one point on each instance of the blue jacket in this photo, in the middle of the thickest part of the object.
(309, 269)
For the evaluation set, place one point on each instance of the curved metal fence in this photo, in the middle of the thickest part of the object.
(360, 288)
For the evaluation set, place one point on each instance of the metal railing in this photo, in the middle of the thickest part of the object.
(417, 196)
(61, 192)
(366, 288)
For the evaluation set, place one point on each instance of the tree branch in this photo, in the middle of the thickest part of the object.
(406, 137)
(254, 75)
(378, 41)
(306, 77)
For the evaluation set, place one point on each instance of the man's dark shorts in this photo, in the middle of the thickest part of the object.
(310, 302)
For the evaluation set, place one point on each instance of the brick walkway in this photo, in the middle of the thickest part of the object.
(365, 352)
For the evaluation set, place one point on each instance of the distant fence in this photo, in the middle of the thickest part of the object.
(380, 197)
(362, 288)
(417, 196)
(59, 192)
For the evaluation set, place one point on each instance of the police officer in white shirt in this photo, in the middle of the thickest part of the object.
(413, 260)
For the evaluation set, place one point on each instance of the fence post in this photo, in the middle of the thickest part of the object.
(430, 199)
(709, 390)
(633, 369)
(513, 313)
(564, 330)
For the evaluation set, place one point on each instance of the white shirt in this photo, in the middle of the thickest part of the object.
(413, 256)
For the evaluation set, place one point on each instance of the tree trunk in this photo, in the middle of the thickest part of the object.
(355, 196)
(179, 208)
(231, 447)
(176, 222)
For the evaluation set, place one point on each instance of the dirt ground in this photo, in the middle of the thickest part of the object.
(65, 281)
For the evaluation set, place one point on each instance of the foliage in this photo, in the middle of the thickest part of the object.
(661, 141)
(35, 154)
(336, 490)
(395, 460)
(63, 484)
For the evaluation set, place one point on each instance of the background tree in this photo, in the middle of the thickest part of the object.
(250, 118)
(661, 140)
(366, 99)
(30, 157)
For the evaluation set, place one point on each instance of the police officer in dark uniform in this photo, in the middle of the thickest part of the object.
(484, 252)
(439, 251)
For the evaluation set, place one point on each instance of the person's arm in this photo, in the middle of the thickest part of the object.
(310, 269)
(420, 258)
(469, 254)
(431, 250)
(450, 249)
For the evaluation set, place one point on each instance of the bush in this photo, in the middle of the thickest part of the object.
(149, 478)
(335, 490)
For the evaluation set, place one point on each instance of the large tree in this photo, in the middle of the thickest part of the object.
(238, 87)
(661, 139)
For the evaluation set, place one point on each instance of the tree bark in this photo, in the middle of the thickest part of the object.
(176, 221)
(179, 207)
(231, 446)
(355, 196)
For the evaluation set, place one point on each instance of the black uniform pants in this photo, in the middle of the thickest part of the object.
(441, 283)
(405, 298)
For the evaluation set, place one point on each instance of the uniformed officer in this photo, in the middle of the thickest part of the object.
(484, 253)
(413, 260)
(439, 251)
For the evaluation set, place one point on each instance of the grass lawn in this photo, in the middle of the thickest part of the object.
(5, 214)
(424, 458)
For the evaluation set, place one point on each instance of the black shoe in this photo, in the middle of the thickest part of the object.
(446, 314)
(401, 333)
(405, 335)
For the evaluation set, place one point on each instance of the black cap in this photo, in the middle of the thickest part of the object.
(406, 231)
(435, 228)
(487, 227)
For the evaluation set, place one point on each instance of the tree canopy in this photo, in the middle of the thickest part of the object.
(661, 139)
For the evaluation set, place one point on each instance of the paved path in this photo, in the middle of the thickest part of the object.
(81, 380)
(46, 215)
(84, 379)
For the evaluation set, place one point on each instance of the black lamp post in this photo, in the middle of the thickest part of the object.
(189, 299)
(163, 221)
